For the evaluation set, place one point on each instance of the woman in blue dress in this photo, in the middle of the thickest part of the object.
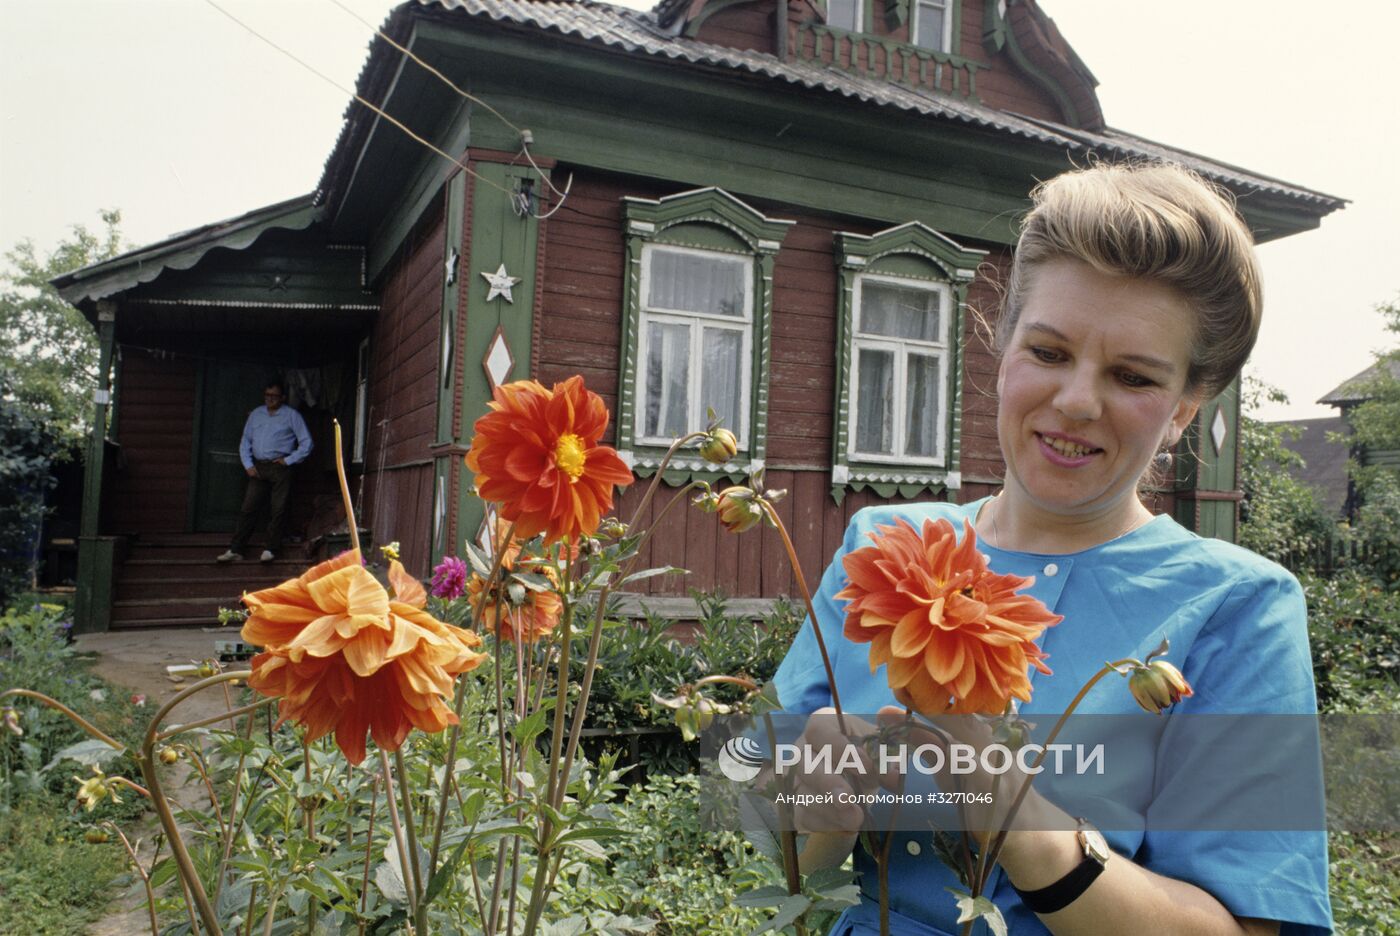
(1134, 296)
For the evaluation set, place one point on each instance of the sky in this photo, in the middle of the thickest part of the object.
(176, 115)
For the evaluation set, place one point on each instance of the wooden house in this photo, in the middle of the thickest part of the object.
(713, 203)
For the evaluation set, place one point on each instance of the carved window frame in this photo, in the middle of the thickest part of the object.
(710, 220)
(912, 253)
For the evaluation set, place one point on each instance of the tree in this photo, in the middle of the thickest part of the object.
(1375, 423)
(1281, 518)
(48, 351)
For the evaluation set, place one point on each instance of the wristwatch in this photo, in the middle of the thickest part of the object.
(1067, 889)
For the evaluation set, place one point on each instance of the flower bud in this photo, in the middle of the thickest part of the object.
(11, 720)
(719, 446)
(207, 668)
(169, 755)
(96, 836)
(1158, 686)
(390, 551)
(707, 501)
(612, 528)
(739, 509)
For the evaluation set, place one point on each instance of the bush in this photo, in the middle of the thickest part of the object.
(1354, 628)
(26, 448)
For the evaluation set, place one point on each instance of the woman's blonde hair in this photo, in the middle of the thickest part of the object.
(1158, 222)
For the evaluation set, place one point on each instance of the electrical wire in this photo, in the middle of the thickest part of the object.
(373, 107)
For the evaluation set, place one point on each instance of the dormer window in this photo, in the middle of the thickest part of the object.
(844, 14)
(933, 25)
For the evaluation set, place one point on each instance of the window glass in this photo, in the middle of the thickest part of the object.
(922, 400)
(899, 311)
(929, 19)
(687, 282)
(875, 395)
(720, 384)
(668, 378)
(843, 14)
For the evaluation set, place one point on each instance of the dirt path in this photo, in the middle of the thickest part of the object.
(136, 660)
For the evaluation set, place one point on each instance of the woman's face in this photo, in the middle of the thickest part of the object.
(1092, 385)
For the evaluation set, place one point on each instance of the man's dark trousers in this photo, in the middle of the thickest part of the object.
(274, 481)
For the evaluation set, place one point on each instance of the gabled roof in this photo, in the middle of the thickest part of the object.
(1324, 461)
(181, 251)
(1355, 388)
(641, 34)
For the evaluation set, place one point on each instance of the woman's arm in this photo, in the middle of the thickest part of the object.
(1123, 898)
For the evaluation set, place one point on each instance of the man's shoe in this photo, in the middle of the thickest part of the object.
(228, 555)
(266, 556)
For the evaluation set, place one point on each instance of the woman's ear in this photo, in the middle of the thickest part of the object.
(1186, 410)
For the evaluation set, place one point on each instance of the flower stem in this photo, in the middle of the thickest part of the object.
(994, 850)
(82, 723)
(811, 611)
(369, 851)
(410, 883)
(406, 791)
(345, 489)
(188, 875)
(141, 872)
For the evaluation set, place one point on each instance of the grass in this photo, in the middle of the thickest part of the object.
(54, 881)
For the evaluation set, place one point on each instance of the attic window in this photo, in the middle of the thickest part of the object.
(844, 14)
(933, 25)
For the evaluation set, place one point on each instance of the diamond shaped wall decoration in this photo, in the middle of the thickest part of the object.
(1218, 429)
(498, 362)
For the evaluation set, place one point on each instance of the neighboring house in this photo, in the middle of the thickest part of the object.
(1350, 393)
(1324, 466)
(748, 208)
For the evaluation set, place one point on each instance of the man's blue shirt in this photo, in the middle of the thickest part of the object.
(270, 436)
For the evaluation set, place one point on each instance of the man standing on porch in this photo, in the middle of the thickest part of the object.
(274, 439)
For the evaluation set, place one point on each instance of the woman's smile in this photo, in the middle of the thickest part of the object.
(1091, 386)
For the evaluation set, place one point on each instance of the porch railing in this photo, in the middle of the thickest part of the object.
(881, 57)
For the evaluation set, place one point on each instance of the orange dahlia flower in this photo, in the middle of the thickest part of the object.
(955, 636)
(539, 611)
(537, 455)
(345, 657)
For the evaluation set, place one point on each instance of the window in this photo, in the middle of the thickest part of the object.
(357, 449)
(696, 325)
(933, 25)
(898, 361)
(844, 14)
(899, 370)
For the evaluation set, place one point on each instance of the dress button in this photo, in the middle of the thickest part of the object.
(913, 848)
(1052, 570)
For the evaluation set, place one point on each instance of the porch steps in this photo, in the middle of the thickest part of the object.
(174, 580)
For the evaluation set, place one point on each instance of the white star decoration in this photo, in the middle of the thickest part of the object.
(452, 258)
(500, 283)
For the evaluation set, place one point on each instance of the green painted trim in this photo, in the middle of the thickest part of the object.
(994, 26)
(97, 561)
(967, 183)
(94, 467)
(455, 209)
(498, 236)
(890, 252)
(673, 220)
(1046, 83)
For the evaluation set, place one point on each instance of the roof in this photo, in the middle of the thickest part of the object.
(641, 33)
(1324, 466)
(1355, 388)
(181, 251)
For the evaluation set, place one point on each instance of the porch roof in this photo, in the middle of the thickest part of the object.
(181, 251)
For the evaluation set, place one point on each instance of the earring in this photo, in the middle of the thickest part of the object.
(1162, 461)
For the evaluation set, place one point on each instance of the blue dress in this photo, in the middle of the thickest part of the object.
(1238, 630)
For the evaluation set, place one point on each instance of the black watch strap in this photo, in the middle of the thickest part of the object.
(1065, 891)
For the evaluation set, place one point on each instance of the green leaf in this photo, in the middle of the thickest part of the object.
(792, 908)
(444, 874)
(477, 559)
(534, 581)
(825, 879)
(651, 573)
(770, 895)
(977, 908)
(89, 753)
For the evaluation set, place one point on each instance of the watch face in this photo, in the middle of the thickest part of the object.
(1095, 846)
